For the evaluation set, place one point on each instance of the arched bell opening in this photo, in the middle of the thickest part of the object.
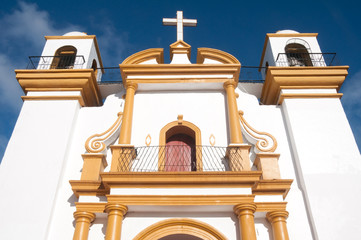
(297, 55)
(64, 58)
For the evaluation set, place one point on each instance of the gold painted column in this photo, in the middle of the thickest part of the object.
(245, 215)
(233, 116)
(116, 214)
(279, 226)
(126, 128)
(82, 224)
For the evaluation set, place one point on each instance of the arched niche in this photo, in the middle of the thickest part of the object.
(64, 58)
(180, 226)
(180, 131)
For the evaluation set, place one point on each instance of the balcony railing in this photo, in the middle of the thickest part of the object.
(56, 62)
(181, 159)
(306, 59)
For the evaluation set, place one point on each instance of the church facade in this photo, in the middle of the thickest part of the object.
(181, 150)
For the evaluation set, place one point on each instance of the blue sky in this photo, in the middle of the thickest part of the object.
(125, 27)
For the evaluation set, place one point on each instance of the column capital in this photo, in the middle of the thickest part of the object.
(82, 215)
(276, 216)
(132, 85)
(229, 83)
(244, 208)
(115, 208)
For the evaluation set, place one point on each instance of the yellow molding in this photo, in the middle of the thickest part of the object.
(81, 37)
(299, 77)
(180, 226)
(62, 80)
(268, 35)
(180, 179)
(145, 55)
(216, 55)
(88, 187)
(90, 207)
(272, 187)
(309, 87)
(184, 48)
(53, 89)
(270, 206)
(140, 70)
(52, 98)
(180, 200)
(308, 95)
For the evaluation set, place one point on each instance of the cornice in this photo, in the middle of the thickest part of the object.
(299, 78)
(62, 80)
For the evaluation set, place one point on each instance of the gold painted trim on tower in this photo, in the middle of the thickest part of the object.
(62, 80)
(53, 98)
(272, 187)
(216, 55)
(308, 95)
(300, 77)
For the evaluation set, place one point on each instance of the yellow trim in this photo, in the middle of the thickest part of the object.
(82, 37)
(232, 111)
(270, 206)
(116, 214)
(216, 55)
(88, 188)
(262, 143)
(279, 226)
(299, 77)
(82, 224)
(185, 48)
(53, 98)
(308, 95)
(140, 70)
(62, 80)
(268, 35)
(180, 126)
(180, 226)
(97, 207)
(245, 214)
(95, 143)
(145, 55)
(180, 200)
(126, 127)
(272, 187)
(180, 179)
(93, 165)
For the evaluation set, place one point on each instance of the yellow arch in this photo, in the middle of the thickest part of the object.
(180, 226)
(177, 127)
(145, 55)
(216, 55)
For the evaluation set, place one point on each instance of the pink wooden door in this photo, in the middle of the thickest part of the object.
(179, 153)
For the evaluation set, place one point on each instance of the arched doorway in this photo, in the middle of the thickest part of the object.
(64, 58)
(180, 227)
(180, 147)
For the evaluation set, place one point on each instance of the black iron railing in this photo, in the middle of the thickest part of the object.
(306, 59)
(56, 62)
(180, 158)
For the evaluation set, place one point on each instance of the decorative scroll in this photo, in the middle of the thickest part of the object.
(98, 142)
(265, 141)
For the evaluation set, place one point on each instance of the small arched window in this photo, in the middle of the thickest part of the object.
(64, 58)
(297, 55)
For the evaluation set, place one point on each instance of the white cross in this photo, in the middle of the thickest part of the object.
(180, 22)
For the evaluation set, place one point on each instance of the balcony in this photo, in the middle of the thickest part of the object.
(56, 62)
(299, 59)
(180, 158)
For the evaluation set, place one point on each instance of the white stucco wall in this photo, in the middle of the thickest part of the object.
(327, 163)
(32, 167)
